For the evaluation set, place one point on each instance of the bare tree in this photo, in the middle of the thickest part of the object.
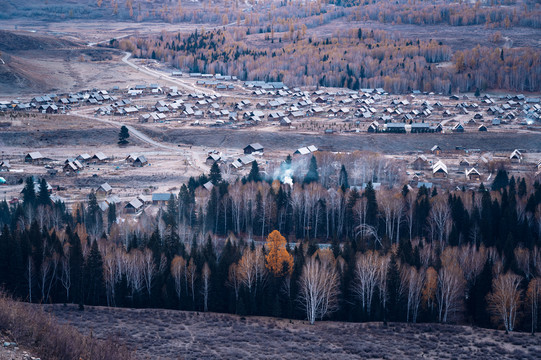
(319, 287)
(534, 297)
(450, 289)
(178, 265)
(472, 261)
(149, 270)
(523, 259)
(440, 218)
(536, 260)
(413, 281)
(504, 300)
(65, 275)
(205, 277)
(383, 266)
(135, 271)
(364, 285)
(191, 273)
(111, 273)
(234, 281)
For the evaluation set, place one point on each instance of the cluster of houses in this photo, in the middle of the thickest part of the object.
(470, 166)
(373, 109)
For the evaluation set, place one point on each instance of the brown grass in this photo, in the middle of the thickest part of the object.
(168, 334)
(32, 328)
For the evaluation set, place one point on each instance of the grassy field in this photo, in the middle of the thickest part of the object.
(167, 334)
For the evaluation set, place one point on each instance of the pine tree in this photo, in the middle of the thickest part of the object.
(343, 179)
(312, 175)
(76, 266)
(372, 204)
(43, 197)
(501, 180)
(254, 173)
(111, 215)
(393, 290)
(123, 136)
(93, 271)
(215, 175)
(29, 192)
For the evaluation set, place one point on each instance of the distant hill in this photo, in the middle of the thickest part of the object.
(53, 10)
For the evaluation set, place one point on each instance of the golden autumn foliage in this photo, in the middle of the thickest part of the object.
(278, 255)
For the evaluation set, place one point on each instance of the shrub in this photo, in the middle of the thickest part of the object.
(31, 326)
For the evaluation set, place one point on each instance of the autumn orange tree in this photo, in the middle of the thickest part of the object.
(278, 256)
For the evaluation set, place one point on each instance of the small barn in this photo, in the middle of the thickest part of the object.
(34, 157)
(140, 161)
(161, 199)
(133, 206)
(103, 190)
(420, 163)
(255, 147)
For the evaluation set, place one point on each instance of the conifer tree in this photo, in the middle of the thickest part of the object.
(215, 175)
(312, 175)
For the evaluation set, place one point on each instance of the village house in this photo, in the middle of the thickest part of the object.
(420, 163)
(133, 206)
(161, 199)
(439, 170)
(473, 175)
(34, 158)
(252, 148)
(84, 158)
(99, 158)
(436, 150)
(516, 156)
(212, 158)
(140, 161)
(103, 190)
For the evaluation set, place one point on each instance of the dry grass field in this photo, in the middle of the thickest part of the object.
(168, 334)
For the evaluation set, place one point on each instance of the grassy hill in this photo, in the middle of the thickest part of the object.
(168, 334)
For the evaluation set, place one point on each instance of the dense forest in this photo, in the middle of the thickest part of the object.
(353, 59)
(296, 249)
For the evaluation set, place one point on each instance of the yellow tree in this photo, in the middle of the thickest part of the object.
(278, 255)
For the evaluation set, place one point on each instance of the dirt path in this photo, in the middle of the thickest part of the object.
(162, 76)
(140, 135)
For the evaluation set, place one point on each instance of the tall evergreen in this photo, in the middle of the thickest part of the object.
(312, 175)
(215, 175)
(393, 290)
(343, 178)
(29, 192)
(43, 196)
(254, 173)
(93, 271)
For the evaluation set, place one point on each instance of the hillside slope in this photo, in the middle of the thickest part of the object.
(168, 334)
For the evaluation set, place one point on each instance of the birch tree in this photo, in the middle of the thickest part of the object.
(319, 288)
(504, 300)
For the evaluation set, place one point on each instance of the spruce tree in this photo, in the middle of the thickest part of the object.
(393, 290)
(94, 276)
(501, 180)
(123, 136)
(254, 173)
(43, 196)
(312, 175)
(29, 192)
(215, 175)
(343, 179)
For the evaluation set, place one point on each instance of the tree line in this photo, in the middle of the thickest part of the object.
(294, 249)
(353, 59)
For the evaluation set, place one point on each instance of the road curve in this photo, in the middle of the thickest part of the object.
(133, 131)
